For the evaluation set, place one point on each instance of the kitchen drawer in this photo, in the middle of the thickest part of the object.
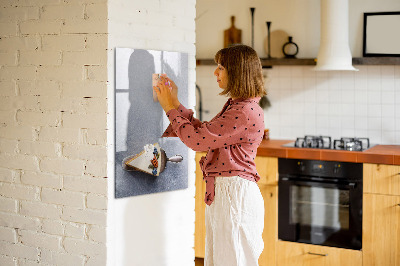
(267, 168)
(298, 254)
(381, 179)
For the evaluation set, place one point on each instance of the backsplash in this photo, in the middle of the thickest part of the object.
(332, 103)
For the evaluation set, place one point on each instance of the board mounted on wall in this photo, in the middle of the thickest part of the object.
(144, 162)
(381, 34)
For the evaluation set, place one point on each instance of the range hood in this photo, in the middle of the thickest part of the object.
(334, 51)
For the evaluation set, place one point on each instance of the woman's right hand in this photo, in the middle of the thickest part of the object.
(174, 91)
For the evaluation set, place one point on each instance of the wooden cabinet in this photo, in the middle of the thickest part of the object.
(381, 230)
(381, 179)
(200, 207)
(381, 215)
(298, 254)
(270, 233)
(267, 168)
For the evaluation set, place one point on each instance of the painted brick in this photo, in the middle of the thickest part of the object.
(69, 42)
(25, 262)
(16, 132)
(96, 168)
(8, 58)
(98, 121)
(39, 148)
(7, 117)
(40, 58)
(97, 42)
(84, 216)
(19, 13)
(84, 26)
(38, 209)
(86, 184)
(39, 118)
(84, 247)
(98, 73)
(8, 205)
(19, 43)
(73, 104)
(97, 11)
(19, 251)
(63, 197)
(7, 175)
(41, 179)
(7, 88)
(75, 230)
(66, 135)
(62, 12)
(26, 103)
(8, 261)
(18, 72)
(89, 57)
(19, 221)
(94, 136)
(8, 146)
(97, 234)
(62, 166)
(18, 191)
(32, 2)
(14, 162)
(100, 260)
(94, 201)
(53, 227)
(39, 87)
(60, 73)
(87, 88)
(40, 27)
(34, 239)
(61, 259)
(85, 152)
(8, 234)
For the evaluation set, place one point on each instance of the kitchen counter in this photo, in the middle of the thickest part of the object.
(379, 154)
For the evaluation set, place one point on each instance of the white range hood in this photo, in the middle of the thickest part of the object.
(334, 51)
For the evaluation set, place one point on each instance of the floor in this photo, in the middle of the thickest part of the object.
(199, 262)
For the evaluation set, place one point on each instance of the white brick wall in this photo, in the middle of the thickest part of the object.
(53, 110)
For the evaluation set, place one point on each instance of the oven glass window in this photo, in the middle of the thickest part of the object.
(318, 207)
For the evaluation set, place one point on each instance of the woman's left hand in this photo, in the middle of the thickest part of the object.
(164, 94)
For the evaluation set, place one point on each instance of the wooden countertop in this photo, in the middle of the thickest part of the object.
(379, 154)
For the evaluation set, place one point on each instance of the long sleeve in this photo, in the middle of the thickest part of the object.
(225, 130)
(186, 113)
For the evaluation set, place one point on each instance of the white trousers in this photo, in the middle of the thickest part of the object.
(234, 223)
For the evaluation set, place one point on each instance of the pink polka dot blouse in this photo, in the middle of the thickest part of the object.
(231, 139)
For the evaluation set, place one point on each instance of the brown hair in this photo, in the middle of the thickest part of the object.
(245, 78)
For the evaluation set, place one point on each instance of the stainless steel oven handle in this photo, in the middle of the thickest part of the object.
(318, 254)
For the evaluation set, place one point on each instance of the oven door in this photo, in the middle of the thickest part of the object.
(321, 212)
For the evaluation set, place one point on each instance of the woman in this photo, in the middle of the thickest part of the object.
(235, 207)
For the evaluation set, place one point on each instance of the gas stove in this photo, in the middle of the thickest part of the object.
(325, 142)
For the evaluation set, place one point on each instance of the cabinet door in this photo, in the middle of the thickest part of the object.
(297, 254)
(381, 230)
(381, 179)
(270, 233)
(200, 207)
(267, 168)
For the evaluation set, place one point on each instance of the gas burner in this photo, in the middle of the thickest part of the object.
(351, 144)
(321, 142)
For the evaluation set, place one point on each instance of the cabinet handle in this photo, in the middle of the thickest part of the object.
(318, 254)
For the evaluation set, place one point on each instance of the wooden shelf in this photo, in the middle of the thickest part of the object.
(312, 61)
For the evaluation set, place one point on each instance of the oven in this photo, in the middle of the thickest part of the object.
(320, 202)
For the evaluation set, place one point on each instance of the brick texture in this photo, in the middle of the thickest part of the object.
(53, 109)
